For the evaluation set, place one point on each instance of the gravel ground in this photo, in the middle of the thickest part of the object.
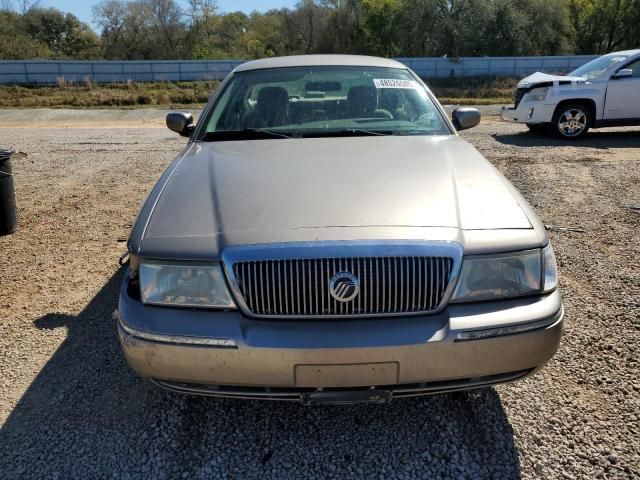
(70, 407)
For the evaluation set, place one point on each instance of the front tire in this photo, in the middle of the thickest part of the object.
(571, 121)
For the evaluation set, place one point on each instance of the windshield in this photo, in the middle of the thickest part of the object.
(322, 101)
(597, 67)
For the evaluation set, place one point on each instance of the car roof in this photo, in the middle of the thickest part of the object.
(626, 53)
(319, 60)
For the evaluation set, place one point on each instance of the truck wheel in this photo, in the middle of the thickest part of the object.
(571, 121)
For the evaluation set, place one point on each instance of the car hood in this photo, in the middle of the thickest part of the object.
(247, 189)
(544, 79)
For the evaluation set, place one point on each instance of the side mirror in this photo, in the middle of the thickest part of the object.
(465, 117)
(180, 122)
(624, 73)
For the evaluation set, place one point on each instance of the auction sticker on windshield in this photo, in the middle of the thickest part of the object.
(395, 83)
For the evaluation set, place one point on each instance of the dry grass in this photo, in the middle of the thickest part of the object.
(474, 90)
(468, 91)
(89, 95)
(474, 101)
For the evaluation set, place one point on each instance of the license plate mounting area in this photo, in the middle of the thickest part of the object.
(342, 397)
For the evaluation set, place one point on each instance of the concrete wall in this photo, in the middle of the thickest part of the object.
(50, 72)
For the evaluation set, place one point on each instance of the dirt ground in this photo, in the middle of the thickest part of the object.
(69, 406)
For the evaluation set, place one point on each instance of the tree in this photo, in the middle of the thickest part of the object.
(415, 21)
(344, 32)
(605, 25)
(549, 27)
(304, 26)
(142, 29)
(15, 43)
(378, 24)
(230, 31)
(123, 29)
(506, 32)
(167, 23)
(163, 29)
(64, 35)
(263, 37)
(20, 6)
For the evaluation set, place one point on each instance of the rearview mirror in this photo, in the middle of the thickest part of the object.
(180, 122)
(323, 86)
(465, 117)
(624, 73)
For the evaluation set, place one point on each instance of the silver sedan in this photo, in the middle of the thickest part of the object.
(325, 236)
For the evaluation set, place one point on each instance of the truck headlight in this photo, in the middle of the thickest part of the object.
(490, 277)
(536, 95)
(184, 284)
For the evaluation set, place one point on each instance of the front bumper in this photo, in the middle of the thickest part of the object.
(225, 353)
(528, 112)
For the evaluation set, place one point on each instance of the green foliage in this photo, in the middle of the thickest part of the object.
(46, 33)
(605, 25)
(15, 44)
(380, 32)
(195, 29)
(388, 28)
(484, 28)
(144, 30)
(64, 34)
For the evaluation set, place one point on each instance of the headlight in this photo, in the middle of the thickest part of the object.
(499, 276)
(184, 285)
(536, 95)
(550, 269)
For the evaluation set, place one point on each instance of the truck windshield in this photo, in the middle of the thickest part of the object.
(597, 67)
(314, 101)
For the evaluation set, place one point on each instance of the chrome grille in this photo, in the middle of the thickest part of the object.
(300, 287)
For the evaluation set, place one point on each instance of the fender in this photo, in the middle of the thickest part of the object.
(579, 91)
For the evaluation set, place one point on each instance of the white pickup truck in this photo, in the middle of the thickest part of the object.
(602, 93)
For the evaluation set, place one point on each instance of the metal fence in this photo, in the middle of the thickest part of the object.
(493, 66)
(45, 72)
(49, 72)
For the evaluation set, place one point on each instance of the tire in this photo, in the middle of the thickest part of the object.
(571, 121)
(537, 127)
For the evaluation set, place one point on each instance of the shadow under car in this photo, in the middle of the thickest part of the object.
(86, 415)
(594, 139)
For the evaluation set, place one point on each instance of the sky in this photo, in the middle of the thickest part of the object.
(82, 8)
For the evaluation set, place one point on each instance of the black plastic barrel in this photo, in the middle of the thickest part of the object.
(8, 212)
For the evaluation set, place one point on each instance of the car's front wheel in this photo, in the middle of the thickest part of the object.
(571, 121)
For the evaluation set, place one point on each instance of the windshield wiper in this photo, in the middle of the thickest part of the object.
(266, 131)
(349, 132)
(415, 131)
(362, 131)
(246, 134)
